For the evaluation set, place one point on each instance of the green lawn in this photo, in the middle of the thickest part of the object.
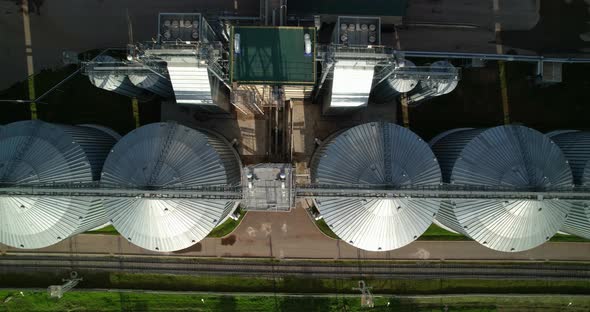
(124, 301)
(228, 226)
(434, 232)
(323, 226)
(567, 238)
(228, 283)
(109, 229)
(220, 231)
(143, 300)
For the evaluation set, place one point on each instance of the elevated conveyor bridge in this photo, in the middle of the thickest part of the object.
(235, 192)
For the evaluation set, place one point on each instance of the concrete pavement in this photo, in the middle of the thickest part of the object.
(515, 15)
(293, 234)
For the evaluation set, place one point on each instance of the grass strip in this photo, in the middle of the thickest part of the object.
(141, 301)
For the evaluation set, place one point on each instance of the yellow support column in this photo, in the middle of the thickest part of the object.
(135, 106)
(504, 92)
(405, 111)
(29, 54)
(32, 105)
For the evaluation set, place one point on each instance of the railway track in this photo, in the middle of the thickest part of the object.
(192, 266)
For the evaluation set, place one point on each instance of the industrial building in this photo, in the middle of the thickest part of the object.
(576, 148)
(39, 153)
(369, 155)
(378, 186)
(511, 157)
(163, 156)
(252, 67)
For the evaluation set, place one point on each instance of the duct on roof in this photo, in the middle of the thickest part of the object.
(376, 154)
(350, 86)
(35, 152)
(168, 155)
(193, 85)
(576, 148)
(112, 81)
(507, 156)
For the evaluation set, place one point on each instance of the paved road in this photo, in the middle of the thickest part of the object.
(381, 270)
(292, 235)
(514, 15)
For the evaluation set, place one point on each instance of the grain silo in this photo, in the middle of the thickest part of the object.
(398, 82)
(376, 154)
(112, 80)
(436, 86)
(511, 157)
(168, 155)
(576, 148)
(153, 82)
(35, 152)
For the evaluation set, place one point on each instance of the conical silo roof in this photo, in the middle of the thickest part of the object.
(153, 83)
(376, 154)
(512, 157)
(168, 155)
(397, 82)
(111, 80)
(576, 148)
(35, 152)
(441, 87)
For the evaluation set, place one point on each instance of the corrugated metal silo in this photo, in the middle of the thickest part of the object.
(376, 154)
(395, 84)
(169, 155)
(431, 88)
(576, 148)
(113, 81)
(35, 152)
(153, 83)
(514, 157)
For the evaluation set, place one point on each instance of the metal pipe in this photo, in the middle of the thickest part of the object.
(282, 11)
(276, 145)
(325, 72)
(58, 85)
(266, 12)
(491, 57)
(239, 18)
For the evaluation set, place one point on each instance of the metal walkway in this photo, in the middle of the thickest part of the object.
(234, 192)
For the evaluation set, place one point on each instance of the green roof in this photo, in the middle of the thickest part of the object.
(272, 55)
(350, 7)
